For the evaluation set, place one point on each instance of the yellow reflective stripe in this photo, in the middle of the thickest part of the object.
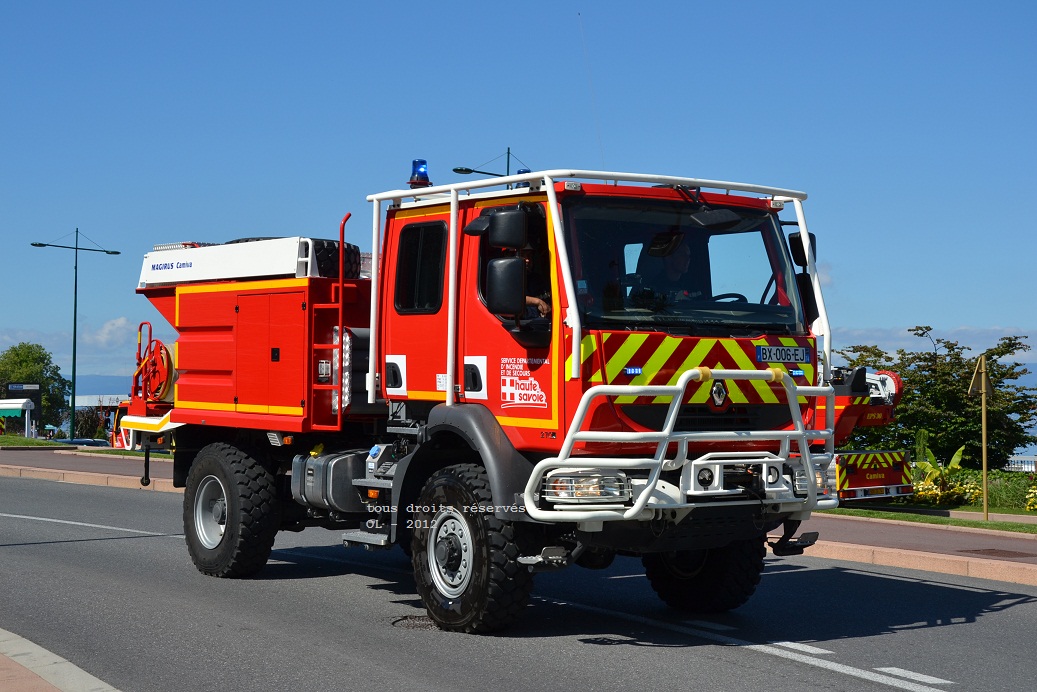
(652, 367)
(742, 362)
(587, 348)
(694, 359)
(205, 405)
(286, 410)
(873, 459)
(623, 355)
(808, 368)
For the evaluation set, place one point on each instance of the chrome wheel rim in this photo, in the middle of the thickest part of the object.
(210, 512)
(450, 552)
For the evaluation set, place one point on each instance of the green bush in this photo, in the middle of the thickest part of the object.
(1004, 488)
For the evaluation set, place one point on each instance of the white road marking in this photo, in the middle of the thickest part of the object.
(805, 648)
(760, 648)
(89, 526)
(702, 633)
(910, 674)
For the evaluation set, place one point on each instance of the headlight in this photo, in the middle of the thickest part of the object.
(820, 483)
(589, 486)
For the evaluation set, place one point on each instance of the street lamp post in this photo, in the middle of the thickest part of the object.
(462, 170)
(75, 310)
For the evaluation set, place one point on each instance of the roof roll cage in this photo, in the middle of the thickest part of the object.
(544, 181)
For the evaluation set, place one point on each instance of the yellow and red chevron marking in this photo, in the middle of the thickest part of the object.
(645, 358)
(873, 460)
(881, 464)
(842, 402)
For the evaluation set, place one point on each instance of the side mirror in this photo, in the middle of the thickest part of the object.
(796, 246)
(509, 229)
(506, 286)
(506, 228)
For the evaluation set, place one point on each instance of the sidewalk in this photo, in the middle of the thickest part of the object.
(86, 466)
(26, 667)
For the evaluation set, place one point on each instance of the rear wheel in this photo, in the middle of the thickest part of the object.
(231, 512)
(465, 560)
(713, 580)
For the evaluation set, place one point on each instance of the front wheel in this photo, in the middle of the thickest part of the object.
(712, 580)
(231, 512)
(465, 559)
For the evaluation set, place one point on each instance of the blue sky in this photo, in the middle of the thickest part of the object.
(911, 125)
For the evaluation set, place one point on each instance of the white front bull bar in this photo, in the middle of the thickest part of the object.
(651, 494)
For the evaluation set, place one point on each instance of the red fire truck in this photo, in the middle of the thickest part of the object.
(538, 370)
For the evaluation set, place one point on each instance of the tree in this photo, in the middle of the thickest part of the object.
(940, 474)
(91, 421)
(936, 400)
(26, 362)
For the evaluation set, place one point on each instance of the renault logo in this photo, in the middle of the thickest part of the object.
(719, 393)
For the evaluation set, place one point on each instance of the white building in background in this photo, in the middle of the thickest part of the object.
(92, 400)
(15, 408)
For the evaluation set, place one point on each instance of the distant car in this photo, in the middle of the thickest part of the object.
(89, 442)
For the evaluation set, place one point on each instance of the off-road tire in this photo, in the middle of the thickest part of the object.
(713, 580)
(236, 539)
(325, 253)
(466, 562)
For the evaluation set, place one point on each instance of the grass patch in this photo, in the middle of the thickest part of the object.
(19, 441)
(991, 509)
(1012, 526)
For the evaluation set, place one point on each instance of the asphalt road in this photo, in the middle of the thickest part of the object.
(101, 576)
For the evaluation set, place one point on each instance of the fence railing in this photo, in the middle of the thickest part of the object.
(1023, 463)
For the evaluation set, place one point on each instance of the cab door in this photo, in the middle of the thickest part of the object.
(414, 309)
(518, 382)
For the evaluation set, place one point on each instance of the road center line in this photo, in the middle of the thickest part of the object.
(805, 648)
(915, 676)
(89, 526)
(899, 683)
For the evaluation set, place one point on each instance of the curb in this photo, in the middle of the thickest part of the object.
(27, 666)
(978, 568)
(38, 448)
(162, 485)
(943, 527)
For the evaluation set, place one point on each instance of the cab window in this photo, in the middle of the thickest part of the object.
(420, 267)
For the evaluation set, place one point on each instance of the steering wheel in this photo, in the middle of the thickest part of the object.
(771, 282)
(734, 297)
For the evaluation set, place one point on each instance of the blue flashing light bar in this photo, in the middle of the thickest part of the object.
(419, 174)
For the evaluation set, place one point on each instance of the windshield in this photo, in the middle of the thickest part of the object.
(680, 267)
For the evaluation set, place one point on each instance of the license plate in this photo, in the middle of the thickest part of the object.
(782, 354)
(875, 491)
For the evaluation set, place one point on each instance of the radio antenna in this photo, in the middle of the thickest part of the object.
(590, 88)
